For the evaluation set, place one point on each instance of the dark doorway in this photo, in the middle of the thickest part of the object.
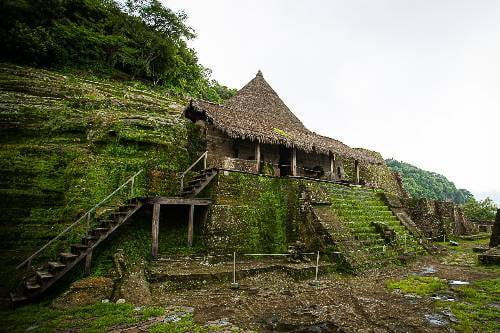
(285, 161)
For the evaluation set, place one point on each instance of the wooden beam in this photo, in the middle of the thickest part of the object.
(257, 156)
(332, 166)
(88, 262)
(356, 167)
(176, 201)
(155, 228)
(190, 225)
(294, 162)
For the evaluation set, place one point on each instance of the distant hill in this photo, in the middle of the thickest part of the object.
(425, 184)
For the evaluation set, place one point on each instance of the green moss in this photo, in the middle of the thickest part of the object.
(187, 324)
(419, 285)
(95, 318)
(69, 141)
(256, 212)
(477, 306)
(280, 132)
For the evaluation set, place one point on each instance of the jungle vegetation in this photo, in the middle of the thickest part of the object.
(128, 40)
(425, 184)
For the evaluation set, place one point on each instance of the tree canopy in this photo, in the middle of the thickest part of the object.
(142, 39)
(484, 210)
(425, 184)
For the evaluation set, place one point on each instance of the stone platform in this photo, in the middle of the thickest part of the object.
(492, 256)
(191, 270)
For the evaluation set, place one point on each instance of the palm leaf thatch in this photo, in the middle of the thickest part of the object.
(257, 113)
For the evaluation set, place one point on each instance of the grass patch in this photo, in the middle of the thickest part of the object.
(419, 285)
(186, 324)
(95, 318)
(478, 307)
(463, 254)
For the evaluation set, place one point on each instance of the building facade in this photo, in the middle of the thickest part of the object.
(254, 131)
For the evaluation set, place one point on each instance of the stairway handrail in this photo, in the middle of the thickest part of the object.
(204, 156)
(87, 214)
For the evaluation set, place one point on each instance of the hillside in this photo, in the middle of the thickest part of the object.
(425, 184)
(67, 141)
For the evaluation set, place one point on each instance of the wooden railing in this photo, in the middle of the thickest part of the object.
(85, 217)
(182, 175)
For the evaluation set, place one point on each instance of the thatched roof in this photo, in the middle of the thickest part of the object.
(257, 113)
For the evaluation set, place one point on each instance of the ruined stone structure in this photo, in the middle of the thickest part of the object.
(265, 182)
(439, 219)
(495, 233)
(255, 132)
(492, 255)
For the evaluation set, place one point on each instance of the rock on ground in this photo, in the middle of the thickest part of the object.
(133, 286)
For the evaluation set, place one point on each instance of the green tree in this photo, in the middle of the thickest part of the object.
(484, 210)
(139, 38)
(425, 184)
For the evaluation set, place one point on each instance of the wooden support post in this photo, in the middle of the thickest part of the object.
(155, 227)
(88, 262)
(190, 225)
(294, 162)
(356, 167)
(332, 167)
(257, 156)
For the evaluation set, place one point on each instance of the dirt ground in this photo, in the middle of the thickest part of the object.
(276, 301)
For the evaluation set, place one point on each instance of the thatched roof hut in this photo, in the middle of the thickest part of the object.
(257, 113)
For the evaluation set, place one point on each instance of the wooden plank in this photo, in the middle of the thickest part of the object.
(88, 262)
(155, 227)
(257, 156)
(190, 225)
(332, 166)
(177, 201)
(294, 162)
(356, 167)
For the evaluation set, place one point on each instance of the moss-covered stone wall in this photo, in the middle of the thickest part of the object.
(438, 218)
(380, 176)
(67, 141)
(255, 213)
(252, 213)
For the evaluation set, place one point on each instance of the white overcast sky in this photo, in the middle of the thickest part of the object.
(417, 80)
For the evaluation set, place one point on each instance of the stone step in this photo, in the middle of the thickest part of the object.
(108, 223)
(88, 239)
(67, 257)
(43, 279)
(116, 215)
(32, 286)
(99, 231)
(126, 208)
(55, 266)
(43, 276)
(78, 248)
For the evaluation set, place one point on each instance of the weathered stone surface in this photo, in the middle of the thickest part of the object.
(131, 284)
(392, 200)
(492, 256)
(86, 291)
(439, 218)
(495, 232)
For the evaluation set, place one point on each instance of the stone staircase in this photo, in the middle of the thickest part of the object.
(37, 282)
(363, 228)
(198, 182)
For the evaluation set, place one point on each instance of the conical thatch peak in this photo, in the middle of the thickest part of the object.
(260, 102)
(257, 113)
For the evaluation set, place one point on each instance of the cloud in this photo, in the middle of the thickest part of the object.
(415, 80)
